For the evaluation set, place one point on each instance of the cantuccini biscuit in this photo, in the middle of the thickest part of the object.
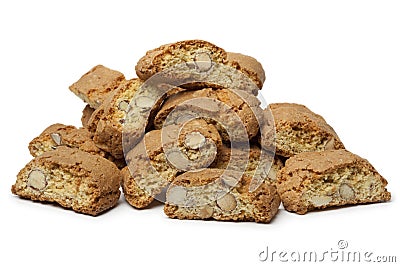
(253, 161)
(162, 154)
(63, 135)
(220, 195)
(297, 129)
(318, 180)
(120, 122)
(249, 66)
(234, 113)
(170, 55)
(106, 123)
(195, 64)
(134, 195)
(74, 179)
(94, 86)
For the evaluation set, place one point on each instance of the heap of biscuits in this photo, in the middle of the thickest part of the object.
(191, 132)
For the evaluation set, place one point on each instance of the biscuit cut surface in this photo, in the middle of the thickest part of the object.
(249, 66)
(134, 195)
(253, 161)
(195, 64)
(162, 154)
(72, 178)
(170, 55)
(106, 123)
(63, 135)
(234, 113)
(297, 130)
(220, 195)
(318, 180)
(94, 86)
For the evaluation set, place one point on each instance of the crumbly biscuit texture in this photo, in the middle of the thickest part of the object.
(134, 195)
(297, 129)
(162, 154)
(195, 64)
(63, 135)
(220, 195)
(234, 113)
(249, 66)
(252, 160)
(106, 123)
(72, 178)
(170, 55)
(332, 178)
(94, 86)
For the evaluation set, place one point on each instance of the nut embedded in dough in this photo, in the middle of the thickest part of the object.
(227, 202)
(346, 191)
(195, 140)
(144, 102)
(319, 201)
(37, 180)
(56, 137)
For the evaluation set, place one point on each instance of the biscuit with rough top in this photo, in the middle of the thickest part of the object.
(332, 178)
(64, 135)
(106, 123)
(253, 161)
(74, 179)
(220, 195)
(234, 113)
(94, 86)
(249, 66)
(195, 64)
(170, 55)
(296, 129)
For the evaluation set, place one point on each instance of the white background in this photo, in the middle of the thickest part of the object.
(340, 58)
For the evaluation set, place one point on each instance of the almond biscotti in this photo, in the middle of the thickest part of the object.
(247, 65)
(72, 178)
(253, 161)
(220, 195)
(294, 128)
(162, 154)
(94, 86)
(170, 55)
(198, 64)
(106, 122)
(234, 113)
(64, 135)
(318, 180)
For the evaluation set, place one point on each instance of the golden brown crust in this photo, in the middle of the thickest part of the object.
(255, 162)
(133, 194)
(74, 179)
(64, 135)
(152, 165)
(297, 130)
(244, 105)
(168, 55)
(106, 123)
(249, 66)
(314, 180)
(236, 204)
(94, 85)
